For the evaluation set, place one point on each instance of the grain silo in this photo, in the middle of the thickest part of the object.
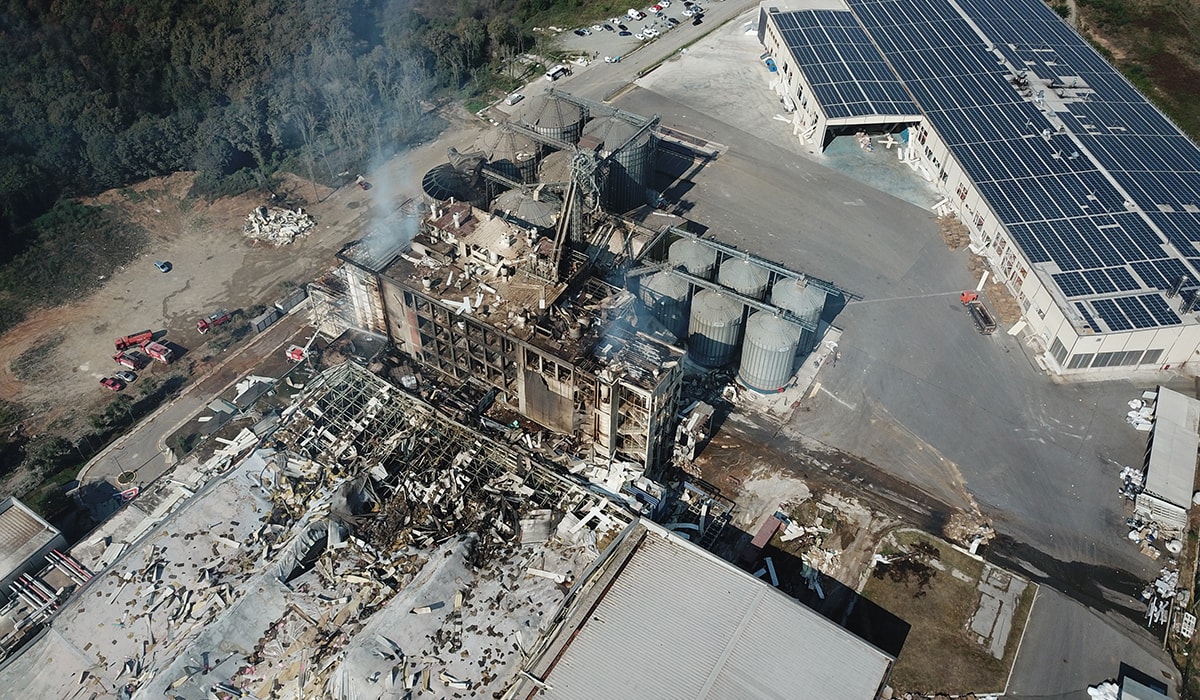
(556, 167)
(445, 182)
(511, 153)
(632, 162)
(715, 328)
(554, 117)
(666, 295)
(693, 256)
(768, 353)
(806, 301)
(744, 277)
(537, 209)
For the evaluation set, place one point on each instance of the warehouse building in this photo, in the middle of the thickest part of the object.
(1082, 195)
(1169, 470)
(626, 632)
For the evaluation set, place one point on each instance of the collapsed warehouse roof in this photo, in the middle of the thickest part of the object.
(467, 541)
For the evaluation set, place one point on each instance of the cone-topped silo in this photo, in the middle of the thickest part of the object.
(806, 301)
(744, 277)
(511, 153)
(715, 328)
(536, 209)
(768, 352)
(693, 256)
(666, 295)
(554, 117)
(632, 163)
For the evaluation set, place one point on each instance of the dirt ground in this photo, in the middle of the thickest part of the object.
(214, 266)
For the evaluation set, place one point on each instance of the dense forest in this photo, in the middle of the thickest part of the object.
(101, 93)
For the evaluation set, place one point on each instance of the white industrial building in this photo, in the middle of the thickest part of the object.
(1170, 467)
(1082, 195)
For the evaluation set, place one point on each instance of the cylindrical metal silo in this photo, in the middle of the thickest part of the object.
(632, 164)
(693, 256)
(511, 153)
(445, 181)
(666, 295)
(805, 300)
(768, 353)
(554, 117)
(556, 167)
(744, 277)
(715, 329)
(536, 209)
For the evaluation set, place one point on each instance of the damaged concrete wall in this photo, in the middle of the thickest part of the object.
(401, 320)
(547, 401)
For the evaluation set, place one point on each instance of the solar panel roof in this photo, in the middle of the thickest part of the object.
(1095, 184)
(848, 75)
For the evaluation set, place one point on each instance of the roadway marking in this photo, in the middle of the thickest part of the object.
(834, 396)
(915, 296)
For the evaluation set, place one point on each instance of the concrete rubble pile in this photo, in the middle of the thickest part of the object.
(277, 225)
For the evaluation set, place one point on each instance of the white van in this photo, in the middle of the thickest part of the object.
(636, 15)
(557, 72)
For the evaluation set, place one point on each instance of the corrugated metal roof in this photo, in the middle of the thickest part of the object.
(1172, 468)
(22, 535)
(677, 622)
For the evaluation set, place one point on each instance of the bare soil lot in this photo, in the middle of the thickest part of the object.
(213, 266)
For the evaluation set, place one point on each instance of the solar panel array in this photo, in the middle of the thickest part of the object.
(848, 76)
(1084, 173)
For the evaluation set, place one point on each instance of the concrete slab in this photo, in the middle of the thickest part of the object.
(1067, 647)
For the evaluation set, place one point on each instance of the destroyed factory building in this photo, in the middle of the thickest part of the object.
(372, 547)
(559, 298)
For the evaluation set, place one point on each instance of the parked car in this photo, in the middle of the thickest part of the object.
(625, 33)
(162, 265)
(581, 32)
(696, 21)
(688, 12)
(609, 28)
(650, 32)
(639, 36)
(112, 383)
(672, 21)
(622, 27)
(127, 377)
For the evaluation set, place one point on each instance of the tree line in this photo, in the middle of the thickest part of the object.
(100, 93)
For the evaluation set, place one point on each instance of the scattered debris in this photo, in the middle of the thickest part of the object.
(277, 225)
